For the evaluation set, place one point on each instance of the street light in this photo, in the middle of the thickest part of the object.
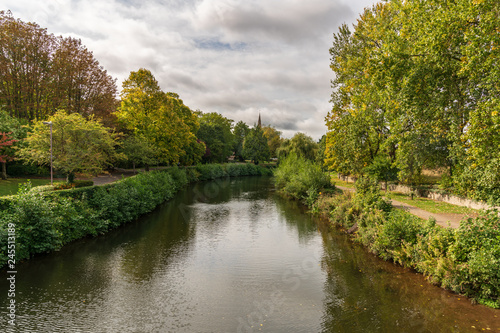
(51, 172)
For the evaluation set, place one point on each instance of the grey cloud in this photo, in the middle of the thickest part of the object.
(235, 57)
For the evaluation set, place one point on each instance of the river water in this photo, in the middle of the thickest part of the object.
(230, 256)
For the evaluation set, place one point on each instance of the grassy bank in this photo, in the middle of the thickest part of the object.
(465, 260)
(38, 222)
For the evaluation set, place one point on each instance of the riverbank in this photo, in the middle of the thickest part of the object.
(465, 260)
(38, 222)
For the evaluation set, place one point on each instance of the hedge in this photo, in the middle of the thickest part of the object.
(45, 221)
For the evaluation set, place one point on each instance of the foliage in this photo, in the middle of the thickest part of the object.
(139, 151)
(274, 139)
(16, 133)
(301, 145)
(45, 219)
(416, 87)
(161, 119)
(42, 73)
(240, 131)
(300, 178)
(381, 170)
(215, 132)
(79, 145)
(465, 260)
(255, 147)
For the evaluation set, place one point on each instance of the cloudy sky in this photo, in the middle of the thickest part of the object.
(235, 57)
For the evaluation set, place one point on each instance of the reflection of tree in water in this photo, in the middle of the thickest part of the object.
(294, 215)
(365, 294)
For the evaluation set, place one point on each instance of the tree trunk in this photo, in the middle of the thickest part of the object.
(4, 170)
(70, 178)
(146, 167)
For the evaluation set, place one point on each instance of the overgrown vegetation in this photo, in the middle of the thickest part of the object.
(44, 221)
(465, 260)
(301, 178)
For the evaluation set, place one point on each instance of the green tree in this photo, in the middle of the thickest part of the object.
(160, 118)
(215, 132)
(138, 151)
(301, 145)
(274, 139)
(255, 147)
(240, 131)
(79, 145)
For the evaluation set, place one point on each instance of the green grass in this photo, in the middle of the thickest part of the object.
(342, 183)
(436, 207)
(10, 186)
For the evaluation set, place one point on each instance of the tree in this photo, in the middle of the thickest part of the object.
(215, 132)
(139, 150)
(160, 118)
(16, 133)
(301, 145)
(240, 131)
(40, 73)
(274, 139)
(255, 146)
(5, 141)
(79, 145)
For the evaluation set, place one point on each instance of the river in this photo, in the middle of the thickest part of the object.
(230, 256)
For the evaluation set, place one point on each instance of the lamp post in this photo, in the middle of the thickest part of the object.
(51, 172)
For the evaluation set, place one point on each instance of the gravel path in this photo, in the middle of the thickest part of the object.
(445, 220)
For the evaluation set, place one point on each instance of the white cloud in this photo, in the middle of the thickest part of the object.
(230, 56)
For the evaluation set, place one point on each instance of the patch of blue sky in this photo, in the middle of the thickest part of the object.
(215, 44)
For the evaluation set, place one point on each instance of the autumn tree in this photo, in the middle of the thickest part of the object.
(79, 145)
(274, 139)
(13, 134)
(40, 73)
(5, 142)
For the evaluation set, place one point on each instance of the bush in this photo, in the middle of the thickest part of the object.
(465, 260)
(45, 219)
(300, 178)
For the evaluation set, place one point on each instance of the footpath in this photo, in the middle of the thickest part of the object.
(444, 220)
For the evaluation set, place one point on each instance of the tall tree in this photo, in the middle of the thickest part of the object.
(215, 132)
(240, 131)
(40, 73)
(160, 118)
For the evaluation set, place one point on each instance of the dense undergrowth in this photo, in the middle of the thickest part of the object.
(45, 221)
(301, 178)
(465, 260)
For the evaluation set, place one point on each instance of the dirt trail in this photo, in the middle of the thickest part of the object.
(445, 220)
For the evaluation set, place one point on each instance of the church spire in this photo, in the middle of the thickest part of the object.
(259, 123)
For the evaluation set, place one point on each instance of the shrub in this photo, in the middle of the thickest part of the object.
(45, 220)
(300, 178)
